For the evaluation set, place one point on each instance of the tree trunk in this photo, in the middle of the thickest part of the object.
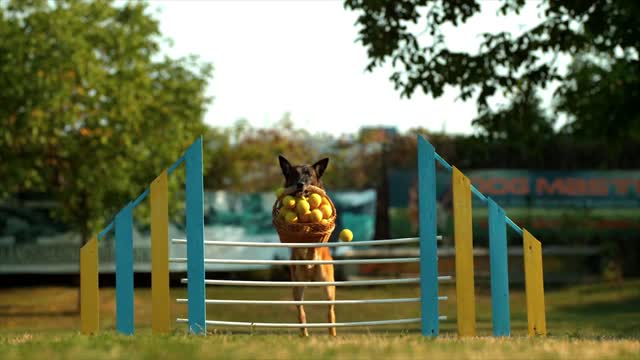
(85, 236)
(382, 201)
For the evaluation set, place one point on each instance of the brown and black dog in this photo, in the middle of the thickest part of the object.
(301, 176)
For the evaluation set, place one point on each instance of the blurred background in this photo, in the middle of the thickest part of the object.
(535, 101)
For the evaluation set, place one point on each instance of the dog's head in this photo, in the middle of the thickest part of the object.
(301, 176)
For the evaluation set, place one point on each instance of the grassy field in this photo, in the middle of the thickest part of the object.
(584, 322)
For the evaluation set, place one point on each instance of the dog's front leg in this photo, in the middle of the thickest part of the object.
(331, 295)
(298, 295)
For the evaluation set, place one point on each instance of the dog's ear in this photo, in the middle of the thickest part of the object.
(284, 165)
(320, 166)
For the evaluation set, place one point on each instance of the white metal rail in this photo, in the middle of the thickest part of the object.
(312, 325)
(316, 283)
(303, 262)
(308, 245)
(309, 302)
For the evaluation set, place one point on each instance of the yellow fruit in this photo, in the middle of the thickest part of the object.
(315, 200)
(279, 192)
(346, 235)
(291, 217)
(305, 217)
(325, 201)
(302, 206)
(315, 215)
(324, 222)
(289, 202)
(326, 210)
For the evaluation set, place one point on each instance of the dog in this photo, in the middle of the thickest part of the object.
(302, 176)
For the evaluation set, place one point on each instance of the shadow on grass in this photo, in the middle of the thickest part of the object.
(9, 311)
(620, 318)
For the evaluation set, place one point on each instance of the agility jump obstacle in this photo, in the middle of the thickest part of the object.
(428, 260)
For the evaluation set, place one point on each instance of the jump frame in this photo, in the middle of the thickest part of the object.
(429, 278)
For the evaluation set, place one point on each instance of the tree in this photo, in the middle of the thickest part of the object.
(522, 121)
(601, 100)
(91, 112)
(246, 158)
(609, 28)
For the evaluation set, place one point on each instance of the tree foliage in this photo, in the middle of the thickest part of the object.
(245, 158)
(91, 112)
(504, 63)
(601, 98)
(523, 120)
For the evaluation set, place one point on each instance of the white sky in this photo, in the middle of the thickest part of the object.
(272, 57)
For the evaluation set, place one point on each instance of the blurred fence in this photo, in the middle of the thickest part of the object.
(563, 207)
(32, 242)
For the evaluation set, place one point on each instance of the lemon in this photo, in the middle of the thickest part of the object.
(302, 206)
(324, 222)
(291, 217)
(326, 210)
(346, 235)
(315, 200)
(306, 217)
(279, 192)
(325, 201)
(315, 215)
(289, 202)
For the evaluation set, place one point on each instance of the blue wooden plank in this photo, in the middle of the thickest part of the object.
(141, 197)
(106, 230)
(428, 238)
(176, 163)
(499, 270)
(124, 270)
(195, 238)
(442, 161)
(514, 226)
(478, 194)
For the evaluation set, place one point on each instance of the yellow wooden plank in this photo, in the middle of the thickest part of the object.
(89, 306)
(534, 284)
(160, 320)
(463, 237)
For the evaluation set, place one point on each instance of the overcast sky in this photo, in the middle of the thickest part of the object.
(272, 57)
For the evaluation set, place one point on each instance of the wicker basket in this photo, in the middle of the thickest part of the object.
(303, 232)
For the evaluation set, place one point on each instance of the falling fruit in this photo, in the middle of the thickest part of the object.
(346, 235)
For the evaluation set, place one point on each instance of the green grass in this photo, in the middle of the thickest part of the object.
(584, 322)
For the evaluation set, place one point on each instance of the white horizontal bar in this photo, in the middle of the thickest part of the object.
(308, 245)
(316, 283)
(304, 262)
(312, 325)
(309, 302)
